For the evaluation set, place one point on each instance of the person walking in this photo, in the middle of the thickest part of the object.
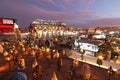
(37, 73)
(72, 72)
(59, 64)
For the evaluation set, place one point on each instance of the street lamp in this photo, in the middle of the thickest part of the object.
(100, 57)
(118, 61)
(75, 62)
(47, 50)
(110, 71)
(88, 76)
(99, 60)
(8, 58)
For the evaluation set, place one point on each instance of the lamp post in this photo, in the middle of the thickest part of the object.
(8, 58)
(110, 71)
(88, 76)
(47, 50)
(99, 60)
(75, 62)
(48, 55)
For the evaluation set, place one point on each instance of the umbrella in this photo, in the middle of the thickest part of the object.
(19, 76)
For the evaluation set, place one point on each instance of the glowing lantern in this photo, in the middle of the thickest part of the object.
(88, 76)
(54, 50)
(5, 53)
(47, 49)
(118, 61)
(100, 57)
(11, 51)
(75, 62)
(33, 53)
(8, 58)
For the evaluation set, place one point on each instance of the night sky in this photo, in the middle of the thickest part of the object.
(78, 13)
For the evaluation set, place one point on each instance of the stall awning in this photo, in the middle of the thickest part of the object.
(9, 27)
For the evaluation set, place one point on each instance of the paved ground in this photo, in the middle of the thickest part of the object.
(92, 60)
(49, 68)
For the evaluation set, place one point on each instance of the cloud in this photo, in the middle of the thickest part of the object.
(36, 9)
(64, 5)
(70, 11)
(104, 22)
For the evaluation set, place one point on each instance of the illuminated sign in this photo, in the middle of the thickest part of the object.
(1, 22)
(7, 21)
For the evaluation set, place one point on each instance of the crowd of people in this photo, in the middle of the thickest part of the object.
(42, 49)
